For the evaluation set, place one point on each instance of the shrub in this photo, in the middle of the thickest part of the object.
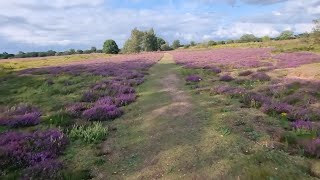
(245, 73)
(27, 149)
(226, 78)
(124, 99)
(76, 109)
(311, 147)
(193, 78)
(260, 76)
(216, 70)
(110, 47)
(89, 134)
(107, 100)
(21, 115)
(26, 120)
(89, 96)
(44, 170)
(102, 113)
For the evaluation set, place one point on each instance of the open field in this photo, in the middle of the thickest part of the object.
(242, 112)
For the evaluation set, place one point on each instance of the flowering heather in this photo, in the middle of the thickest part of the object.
(22, 109)
(124, 99)
(107, 100)
(193, 78)
(21, 115)
(303, 125)
(226, 78)
(232, 57)
(26, 120)
(311, 147)
(102, 113)
(44, 170)
(245, 73)
(122, 65)
(76, 109)
(89, 96)
(260, 76)
(295, 59)
(215, 70)
(21, 150)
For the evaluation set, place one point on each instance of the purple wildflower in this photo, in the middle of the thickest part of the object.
(102, 113)
(107, 100)
(226, 78)
(125, 99)
(30, 119)
(260, 76)
(302, 125)
(245, 73)
(193, 78)
(76, 109)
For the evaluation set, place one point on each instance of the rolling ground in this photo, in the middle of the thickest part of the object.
(173, 132)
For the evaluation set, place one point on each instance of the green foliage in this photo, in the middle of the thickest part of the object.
(265, 38)
(224, 131)
(192, 43)
(176, 44)
(285, 35)
(142, 41)
(59, 119)
(165, 47)
(150, 41)
(110, 47)
(160, 42)
(94, 133)
(248, 38)
(211, 43)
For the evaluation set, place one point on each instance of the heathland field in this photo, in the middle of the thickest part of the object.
(239, 111)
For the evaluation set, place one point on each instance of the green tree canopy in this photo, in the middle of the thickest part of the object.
(176, 44)
(286, 35)
(248, 38)
(110, 47)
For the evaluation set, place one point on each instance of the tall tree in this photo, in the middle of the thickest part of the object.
(160, 42)
(286, 35)
(110, 47)
(248, 38)
(176, 44)
(149, 41)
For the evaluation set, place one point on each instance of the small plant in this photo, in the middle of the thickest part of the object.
(254, 136)
(193, 78)
(226, 78)
(245, 73)
(260, 76)
(94, 133)
(225, 131)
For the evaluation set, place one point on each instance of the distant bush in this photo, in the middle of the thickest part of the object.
(248, 38)
(212, 43)
(165, 47)
(193, 78)
(226, 78)
(110, 47)
(94, 133)
(102, 113)
(245, 73)
(260, 76)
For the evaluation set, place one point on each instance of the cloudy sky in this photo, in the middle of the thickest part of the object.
(39, 25)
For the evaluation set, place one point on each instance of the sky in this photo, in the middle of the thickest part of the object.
(40, 25)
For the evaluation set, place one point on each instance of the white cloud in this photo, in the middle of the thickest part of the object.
(86, 23)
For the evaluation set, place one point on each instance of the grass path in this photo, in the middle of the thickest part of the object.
(157, 137)
(173, 133)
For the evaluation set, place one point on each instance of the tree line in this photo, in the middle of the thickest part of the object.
(146, 41)
(22, 54)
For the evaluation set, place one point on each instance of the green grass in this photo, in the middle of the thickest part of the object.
(18, 64)
(35, 90)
